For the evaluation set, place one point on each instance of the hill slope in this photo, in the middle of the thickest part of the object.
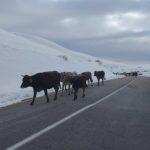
(22, 54)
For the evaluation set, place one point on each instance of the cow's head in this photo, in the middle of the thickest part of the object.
(26, 81)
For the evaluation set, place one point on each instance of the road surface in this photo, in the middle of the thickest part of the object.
(115, 116)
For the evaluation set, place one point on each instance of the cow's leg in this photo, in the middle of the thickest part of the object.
(75, 94)
(59, 85)
(66, 88)
(91, 81)
(72, 90)
(98, 81)
(56, 91)
(102, 81)
(45, 91)
(34, 96)
(63, 85)
(69, 89)
(83, 95)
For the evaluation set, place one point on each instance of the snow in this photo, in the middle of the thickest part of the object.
(22, 54)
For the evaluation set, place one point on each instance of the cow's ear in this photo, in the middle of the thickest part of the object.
(30, 80)
(22, 75)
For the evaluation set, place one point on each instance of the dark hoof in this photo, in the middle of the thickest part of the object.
(83, 95)
(75, 98)
(47, 101)
(31, 104)
(55, 99)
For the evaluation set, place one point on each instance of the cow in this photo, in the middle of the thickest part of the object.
(100, 75)
(130, 74)
(88, 77)
(135, 74)
(78, 82)
(65, 79)
(42, 81)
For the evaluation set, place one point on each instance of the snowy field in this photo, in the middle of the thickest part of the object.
(22, 54)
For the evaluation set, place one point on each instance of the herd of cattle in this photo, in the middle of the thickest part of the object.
(133, 74)
(48, 80)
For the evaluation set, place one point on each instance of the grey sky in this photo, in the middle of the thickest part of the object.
(113, 29)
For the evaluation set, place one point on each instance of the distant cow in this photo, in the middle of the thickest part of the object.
(135, 74)
(100, 75)
(42, 81)
(88, 77)
(78, 82)
(66, 80)
(130, 74)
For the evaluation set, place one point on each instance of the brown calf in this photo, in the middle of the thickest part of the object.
(66, 80)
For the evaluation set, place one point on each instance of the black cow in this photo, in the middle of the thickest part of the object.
(42, 81)
(100, 75)
(78, 82)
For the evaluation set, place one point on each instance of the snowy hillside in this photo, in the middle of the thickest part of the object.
(22, 54)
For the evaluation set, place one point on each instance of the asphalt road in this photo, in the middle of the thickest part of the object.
(115, 116)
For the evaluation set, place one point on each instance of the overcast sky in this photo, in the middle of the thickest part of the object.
(112, 29)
